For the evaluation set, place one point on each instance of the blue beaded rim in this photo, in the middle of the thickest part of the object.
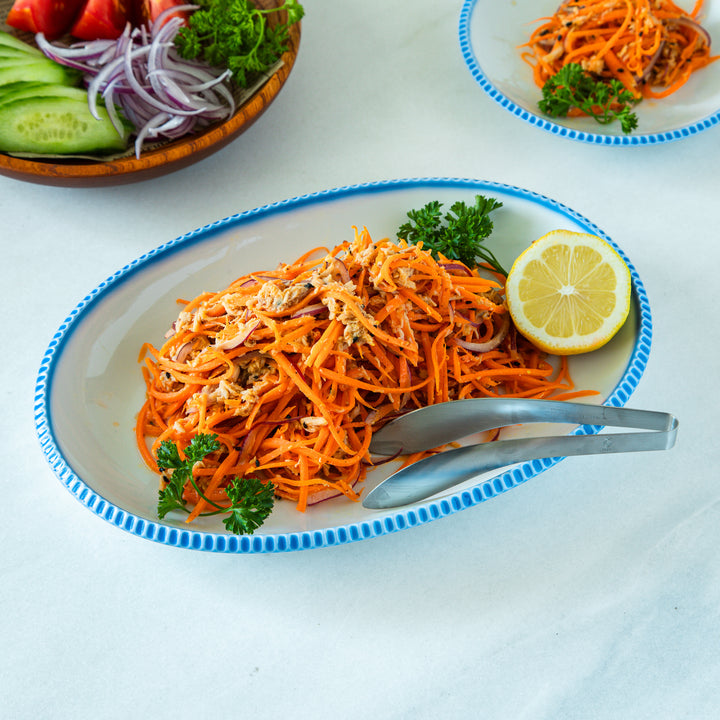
(560, 130)
(373, 527)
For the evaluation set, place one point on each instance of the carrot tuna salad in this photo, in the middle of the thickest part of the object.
(599, 57)
(283, 376)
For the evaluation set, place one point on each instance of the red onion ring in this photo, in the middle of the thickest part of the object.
(315, 309)
(651, 64)
(688, 22)
(239, 339)
(457, 266)
(182, 352)
(328, 494)
(490, 344)
(342, 268)
(467, 321)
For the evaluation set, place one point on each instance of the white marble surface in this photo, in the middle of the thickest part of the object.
(591, 592)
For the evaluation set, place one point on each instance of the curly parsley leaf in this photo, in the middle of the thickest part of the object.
(252, 502)
(170, 498)
(168, 459)
(235, 34)
(458, 234)
(572, 87)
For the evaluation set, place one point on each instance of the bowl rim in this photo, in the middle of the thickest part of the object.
(544, 123)
(166, 158)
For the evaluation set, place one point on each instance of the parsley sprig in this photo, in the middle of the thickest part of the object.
(458, 234)
(235, 34)
(251, 501)
(573, 87)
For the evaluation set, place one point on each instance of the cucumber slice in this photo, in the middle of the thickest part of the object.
(5, 90)
(38, 70)
(10, 53)
(10, 59)
(10, 41)
(57, 126)
(26, 90)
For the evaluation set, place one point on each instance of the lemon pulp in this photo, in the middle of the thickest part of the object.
(569, 292)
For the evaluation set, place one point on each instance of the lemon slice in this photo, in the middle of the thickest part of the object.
(569, 292)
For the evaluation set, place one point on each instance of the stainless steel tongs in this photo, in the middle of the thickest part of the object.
(439, 424)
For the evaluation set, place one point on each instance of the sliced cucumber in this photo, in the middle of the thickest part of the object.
(39, 70)
(26, 90)
(11, 60)
(8, 53)
(57, 126)
(43, 112)
(5, 90)
(10, 41)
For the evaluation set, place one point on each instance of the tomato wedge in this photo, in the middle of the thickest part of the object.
(51, 17)
(101, 20)
(146, 12)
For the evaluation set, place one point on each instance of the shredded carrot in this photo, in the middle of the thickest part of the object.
(293, 369)
(645, 44)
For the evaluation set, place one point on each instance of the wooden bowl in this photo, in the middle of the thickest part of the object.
(161, 160)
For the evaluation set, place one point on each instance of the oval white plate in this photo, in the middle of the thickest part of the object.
(491, 33)
(89, 385)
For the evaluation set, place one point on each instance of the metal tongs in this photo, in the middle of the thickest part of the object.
(436, 425)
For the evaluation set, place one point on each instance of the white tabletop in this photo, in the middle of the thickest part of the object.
(592, 591)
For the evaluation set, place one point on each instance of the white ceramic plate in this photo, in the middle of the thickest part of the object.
(491, 32)
(89, 386)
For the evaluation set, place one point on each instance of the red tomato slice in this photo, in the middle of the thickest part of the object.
(101, 20)
(146, 12)
(51, 17)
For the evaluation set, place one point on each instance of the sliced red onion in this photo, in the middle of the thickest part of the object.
(328, 494)
(315, 309)
(160, 93)
(150, 129)
(686, 22)
(490, 344)
(457, 266)
(467, 321)
(651, 64)
(342, 268)
(182, 352)
(696, 26)
(239, 339)
(372, 417)
(377, 462)
(261, 276)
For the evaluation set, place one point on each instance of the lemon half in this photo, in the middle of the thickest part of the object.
(569, 292)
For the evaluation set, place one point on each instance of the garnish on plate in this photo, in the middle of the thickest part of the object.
(639, 49)
(250, 500)
(458, 235)
(235, 34)
(571, 88)
(569, 292)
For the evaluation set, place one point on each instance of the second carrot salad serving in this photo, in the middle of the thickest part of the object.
(601, 57)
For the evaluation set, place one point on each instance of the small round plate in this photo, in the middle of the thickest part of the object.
(160, 160)
(491, 34)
